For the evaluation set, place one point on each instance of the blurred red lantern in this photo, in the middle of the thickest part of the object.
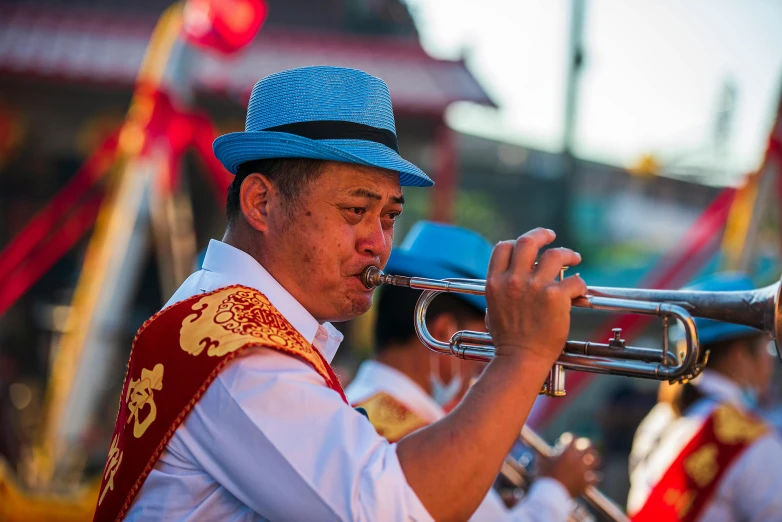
(224, 25)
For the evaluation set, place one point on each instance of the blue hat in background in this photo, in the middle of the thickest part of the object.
(198, 263)
(710, 331)
(440, 251)
(320, 112)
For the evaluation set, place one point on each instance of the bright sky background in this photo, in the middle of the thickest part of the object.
(653, 75)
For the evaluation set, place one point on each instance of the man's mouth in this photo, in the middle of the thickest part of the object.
(358, 277)
(359, 272)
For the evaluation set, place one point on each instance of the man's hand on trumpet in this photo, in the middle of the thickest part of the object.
(528, 309)
(575, 466)
(530, 322)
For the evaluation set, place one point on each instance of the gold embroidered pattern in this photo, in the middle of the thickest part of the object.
(702, 465)
(224, 321)
(112, 465)
(681, 501)
(732, 426)
(390, 418)
(140, 394)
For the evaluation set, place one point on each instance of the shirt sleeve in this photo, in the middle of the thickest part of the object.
(270, 432)
(752, 485)
(546, 501)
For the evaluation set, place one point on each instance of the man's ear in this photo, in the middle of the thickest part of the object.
(255, 196)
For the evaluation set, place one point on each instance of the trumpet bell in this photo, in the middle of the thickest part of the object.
(760, 309)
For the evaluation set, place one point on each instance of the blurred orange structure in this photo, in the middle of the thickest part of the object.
(20, 505)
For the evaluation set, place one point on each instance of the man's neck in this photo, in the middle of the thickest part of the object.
(410, 359)
(238, 237)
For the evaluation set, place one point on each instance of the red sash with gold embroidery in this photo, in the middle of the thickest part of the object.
(175, 357)
(391, 418)
(690, 482)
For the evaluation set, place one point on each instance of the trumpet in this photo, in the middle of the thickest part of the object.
(759, 309)
(592, 500)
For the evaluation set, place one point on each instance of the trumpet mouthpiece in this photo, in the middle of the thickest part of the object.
(372, 277)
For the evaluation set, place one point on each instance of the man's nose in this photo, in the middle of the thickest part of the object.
(373, 239)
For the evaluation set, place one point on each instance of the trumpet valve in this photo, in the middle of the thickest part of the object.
(556, 382)
(616, 341)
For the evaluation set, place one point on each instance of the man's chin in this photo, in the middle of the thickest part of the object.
(357, 306)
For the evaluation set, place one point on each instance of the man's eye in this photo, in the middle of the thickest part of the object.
(357, 210)
(394, 215)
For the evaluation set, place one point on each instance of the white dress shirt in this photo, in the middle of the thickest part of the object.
(547, 499)
(749, 489)
(268, 440)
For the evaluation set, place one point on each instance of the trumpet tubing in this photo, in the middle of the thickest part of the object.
(759, 309)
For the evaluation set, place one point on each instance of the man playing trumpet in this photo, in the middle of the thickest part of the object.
(230, 410)
(407, 387)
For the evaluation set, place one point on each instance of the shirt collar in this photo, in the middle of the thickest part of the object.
(239, 267)
(374, 377)
(715, 385)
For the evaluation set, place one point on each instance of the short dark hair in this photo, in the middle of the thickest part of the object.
(290, 175)
(395, 309)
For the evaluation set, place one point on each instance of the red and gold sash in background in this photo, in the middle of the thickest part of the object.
(391, 418)
(175, 357)
(690, 482)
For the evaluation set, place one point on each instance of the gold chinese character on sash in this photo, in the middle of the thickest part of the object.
(140, 394)
(702, 465)
(732, 426)
(681, 501)
(112, 465)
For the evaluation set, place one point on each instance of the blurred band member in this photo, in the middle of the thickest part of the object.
(230, 409)
(700, 454)
(407, 386)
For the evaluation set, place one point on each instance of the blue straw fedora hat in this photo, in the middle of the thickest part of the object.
(320, 112)
(709, 330)
(440, 251)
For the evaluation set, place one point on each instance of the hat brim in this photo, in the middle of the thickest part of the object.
(404, 264)
(240, 147)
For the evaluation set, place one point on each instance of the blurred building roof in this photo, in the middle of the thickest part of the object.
(81, 44)
(376, 17)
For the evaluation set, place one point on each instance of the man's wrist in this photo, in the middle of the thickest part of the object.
(523, 358)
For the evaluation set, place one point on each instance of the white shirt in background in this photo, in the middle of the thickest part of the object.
(547, 500)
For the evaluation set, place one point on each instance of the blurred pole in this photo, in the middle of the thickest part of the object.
(726, 110)
(446, 169)
(575, 57)
(171, 213)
